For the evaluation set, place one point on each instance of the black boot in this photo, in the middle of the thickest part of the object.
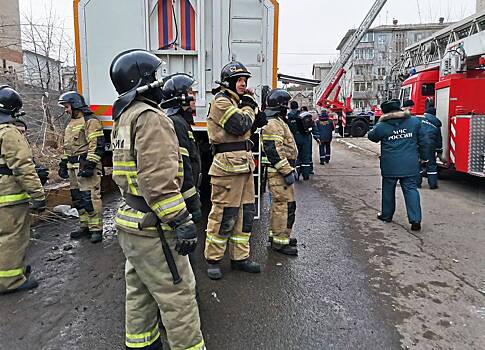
(293, 241)
(415, 226)
(27, 285)
(285, 249)
(214, 270)
(246, 266)
(96, 236)
(83, 231)
(157, 345)
(380, 217)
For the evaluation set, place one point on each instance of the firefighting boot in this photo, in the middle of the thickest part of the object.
(83, 231)
(293, 241)
(157, 345)
(27, 285)
(246, 266)
(285, 249)
(214, 270)
(96, 236)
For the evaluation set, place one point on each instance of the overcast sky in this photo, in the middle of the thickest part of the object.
(310, 30)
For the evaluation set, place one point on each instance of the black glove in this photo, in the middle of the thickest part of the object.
(248, 101)
(290, 179)
(260, 120)
(186, 234)
(88, 169)
(38, 205)
(62, 172)
(43, 173)
(197, 216)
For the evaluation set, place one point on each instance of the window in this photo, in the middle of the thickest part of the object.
(382, 56)
(365, 54)
(362, 87)
(418, 37)
(427, 89)
(381, 71)
(381, 39)
(405, 93)
(368, 38)
(380, 87)
(363, 69)
(369, 86)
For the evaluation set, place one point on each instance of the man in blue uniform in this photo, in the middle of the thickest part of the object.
(297, 122)
(402, 141)
(322, 132)
(432, 126)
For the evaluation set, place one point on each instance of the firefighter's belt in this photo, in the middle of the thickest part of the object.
(232, 147)
(76, 159)
(5, 170)
(138, 203)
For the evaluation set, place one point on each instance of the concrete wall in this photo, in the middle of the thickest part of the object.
(480, 5)
(10, 34)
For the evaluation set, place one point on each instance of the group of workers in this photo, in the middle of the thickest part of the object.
(156, 164)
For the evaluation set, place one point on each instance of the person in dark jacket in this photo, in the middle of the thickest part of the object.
(432, 127)
(402, 141)
(322, 133)
(303, 140)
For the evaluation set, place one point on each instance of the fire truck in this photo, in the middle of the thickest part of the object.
(197, 37)
(449, 69)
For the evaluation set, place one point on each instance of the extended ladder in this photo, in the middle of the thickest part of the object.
(348, 49)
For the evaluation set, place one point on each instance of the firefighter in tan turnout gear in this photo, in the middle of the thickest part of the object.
(84, 145)
(155, 229)
(19, 185)
(232, 114)
(281, 151)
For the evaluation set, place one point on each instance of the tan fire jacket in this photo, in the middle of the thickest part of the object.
(84, 136)
(147, 162)
(16, 155)
(226, 123)
(279, 146)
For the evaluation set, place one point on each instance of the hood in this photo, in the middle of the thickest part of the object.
(394, 116)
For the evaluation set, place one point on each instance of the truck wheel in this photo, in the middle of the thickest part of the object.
(359, 128)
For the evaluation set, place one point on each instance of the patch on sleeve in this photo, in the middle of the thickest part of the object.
(122, 138)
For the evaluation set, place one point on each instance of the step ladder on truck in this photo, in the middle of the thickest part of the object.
(197, 37)
(449, 68)
(327, 92)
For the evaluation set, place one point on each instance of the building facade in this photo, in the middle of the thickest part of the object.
(10, 42)
(320, 70)
(480, 5)
(369, 76)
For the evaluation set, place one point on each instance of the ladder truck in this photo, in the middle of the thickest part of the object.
(448, 68)
(197, 37)
(327, 92)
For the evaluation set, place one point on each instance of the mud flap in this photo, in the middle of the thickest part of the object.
(291, 214)
(229, 217)
(249, 210)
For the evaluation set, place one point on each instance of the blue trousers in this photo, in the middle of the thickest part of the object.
(431, 169)
(325, 150)
(411, 197)
(304, 161)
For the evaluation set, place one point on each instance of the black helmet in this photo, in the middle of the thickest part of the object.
(177, 85)
(234, 69)
(10, 101)
(132, 69)
(75, 99)
(278, 98)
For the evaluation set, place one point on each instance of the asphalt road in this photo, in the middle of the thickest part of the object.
(357, 283)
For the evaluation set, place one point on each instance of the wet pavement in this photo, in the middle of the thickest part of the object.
(357, 283)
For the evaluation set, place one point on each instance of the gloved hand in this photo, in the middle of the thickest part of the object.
(260, 120)
(43, 173)
(248, 101)
(186, 234)
(38, 205)
(197, 216)
(62, 172)
(88, 169)
(290, 178)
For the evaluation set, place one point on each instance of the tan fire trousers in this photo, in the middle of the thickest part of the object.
(86, 198)
(283, 208)
(14, 239)
(231, 217)
(150, 288)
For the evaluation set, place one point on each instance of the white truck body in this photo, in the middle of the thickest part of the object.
(225, 30)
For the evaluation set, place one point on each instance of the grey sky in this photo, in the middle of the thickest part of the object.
(315, 26)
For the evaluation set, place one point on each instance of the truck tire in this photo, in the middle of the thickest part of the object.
(359, 128)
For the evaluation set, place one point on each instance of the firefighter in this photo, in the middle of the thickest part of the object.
(432, 126)
(177, 95)
(84, 145)
(300, 123)
(155, 230)
(322, 132)
(281, 151)
(232, 114)
(19, 185)
(402, 142)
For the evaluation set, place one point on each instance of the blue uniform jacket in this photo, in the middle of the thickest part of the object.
(323, 130)
(403, 141)
(434, 133)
